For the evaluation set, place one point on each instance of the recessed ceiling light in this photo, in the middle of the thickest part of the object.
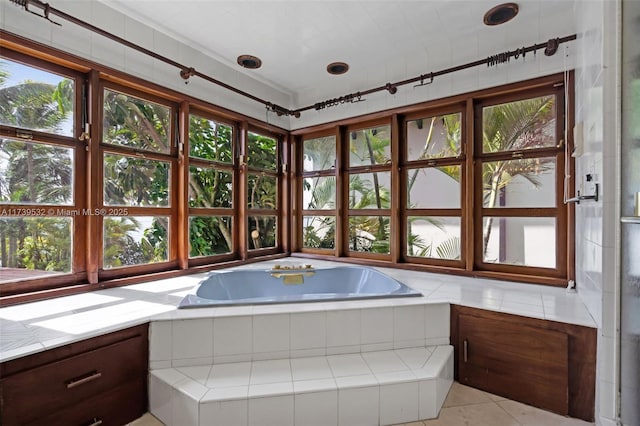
(337, 68)
(249, 61)
(501, 14)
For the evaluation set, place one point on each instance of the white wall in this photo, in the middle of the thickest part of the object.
(597, 104)
(85, 44)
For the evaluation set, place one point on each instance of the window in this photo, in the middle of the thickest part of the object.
(369, 190)
(318, 187)
(39, 162)
(263, 198)
(519, 172)
(432, 175)
(138, 205)
(211, 183)
(475, 186)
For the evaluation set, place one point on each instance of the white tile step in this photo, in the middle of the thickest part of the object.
(369, 388)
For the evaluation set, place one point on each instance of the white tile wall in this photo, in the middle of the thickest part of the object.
(595, 255)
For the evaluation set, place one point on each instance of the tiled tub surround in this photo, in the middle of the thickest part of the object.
(375, 365)
(38, 326)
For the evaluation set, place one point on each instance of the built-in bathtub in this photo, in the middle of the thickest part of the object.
(293, 284)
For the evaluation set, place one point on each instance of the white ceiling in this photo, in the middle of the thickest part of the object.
(382, 41)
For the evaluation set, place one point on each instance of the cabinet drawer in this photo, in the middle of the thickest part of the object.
(32, 394)
(114, 408)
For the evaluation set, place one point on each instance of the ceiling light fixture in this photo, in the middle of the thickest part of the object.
(249, 61)
(337, 68)
(500, 14)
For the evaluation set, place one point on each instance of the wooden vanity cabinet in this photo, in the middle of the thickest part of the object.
(547, 364)
(98, 381)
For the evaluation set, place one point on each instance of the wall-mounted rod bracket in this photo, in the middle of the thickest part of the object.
(579, 197)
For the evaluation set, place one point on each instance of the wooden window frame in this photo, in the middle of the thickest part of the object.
(278, 173)
(470, 160)
(170, 211)
(347, 170)
(406, 165)
(332, 172)
(559, 212)
(78, 272)
(232, 168)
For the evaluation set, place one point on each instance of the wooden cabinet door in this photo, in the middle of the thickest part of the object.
(516, 361)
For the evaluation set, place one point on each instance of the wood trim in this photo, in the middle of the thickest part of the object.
(181, 220)
(94, 186)
(395, 244)
(582, 354)
(240, 188)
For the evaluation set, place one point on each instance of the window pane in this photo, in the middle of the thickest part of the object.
(210, 140)
(36, 100)
(262, 232)
(262, 192)
(370, 146)
(34, 247)
(520, 183)
(319, 232)
(319, 154)
(136, 123)
(210, 235)
(35, 173)
(369, 234)
(134, 181)
(263, 152)
(434, 237)
(434, 137)
(319, 193)
(520, 241)
(433, 188)
(370, 190)
(130, 240)
(210, 188)
(520, 125)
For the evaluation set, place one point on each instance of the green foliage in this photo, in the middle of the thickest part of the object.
(35, 173)
(135, 122)
(206, 235)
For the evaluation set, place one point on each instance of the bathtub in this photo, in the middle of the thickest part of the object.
(252, 287)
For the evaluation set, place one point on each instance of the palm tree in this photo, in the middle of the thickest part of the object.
(520, 125)
(34, 173)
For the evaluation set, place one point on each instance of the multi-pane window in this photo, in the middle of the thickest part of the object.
(319, 193)
(39, 160)
(477, 187)
(432, 180)
(138, 154)
(369, 190)
(263, 202)
(521, 163)
(211, 182)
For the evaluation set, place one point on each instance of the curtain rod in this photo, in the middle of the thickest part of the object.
(185, 71)
(551, 47)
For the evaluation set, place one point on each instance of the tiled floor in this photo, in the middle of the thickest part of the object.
(466, 406)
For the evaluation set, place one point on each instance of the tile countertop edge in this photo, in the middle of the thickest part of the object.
(498, 296)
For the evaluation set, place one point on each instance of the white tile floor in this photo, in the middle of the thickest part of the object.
(467, 406)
